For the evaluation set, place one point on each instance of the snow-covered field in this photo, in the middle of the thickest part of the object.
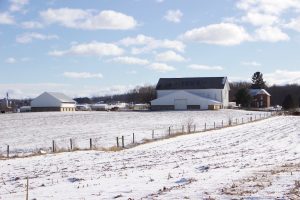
(29, 132)
(259, 160)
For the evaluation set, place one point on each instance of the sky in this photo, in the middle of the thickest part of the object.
(103, 47)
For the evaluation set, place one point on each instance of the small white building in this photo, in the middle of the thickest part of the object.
(52, 101)
(198, 93)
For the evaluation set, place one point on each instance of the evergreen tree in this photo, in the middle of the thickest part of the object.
(258, 81)
(243, 97)
(288, 102)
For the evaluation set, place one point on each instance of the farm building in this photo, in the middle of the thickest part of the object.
(260, 98)
(199, 93)
(52, 101)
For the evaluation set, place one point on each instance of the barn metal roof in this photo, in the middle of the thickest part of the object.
(191, 83)
(61, 97)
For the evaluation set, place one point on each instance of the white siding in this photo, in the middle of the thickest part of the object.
(191, 99)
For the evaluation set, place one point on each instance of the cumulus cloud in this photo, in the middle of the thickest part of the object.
(294, 24)
(251, 63)
(226, 34)
(32, 25)
(29, 37)
(205, 67)
(17, 5)
(282, 77)
(142, 44)
(161, 67)
(259, 19)
(82, 75)
(88, 19)
(11, 60)
(130, 60)
(270, 34)
(273, 7)
(173, 16)
(92, 48)
(169, 56)
(6, 18)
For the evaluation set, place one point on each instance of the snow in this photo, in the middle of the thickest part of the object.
(31, 132)
(252, 161)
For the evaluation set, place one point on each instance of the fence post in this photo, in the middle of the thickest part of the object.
(242, 120)
(118, 142)
(205, 126)
(7, 151)
(132, 138)
(222, 124)
(123, 146)
(27, 189)
(254, 117)
(182, 129)
(169, 130)
(53, 146)
(71, 144)
(194, 128)
(214, 125)
(236, 121)
(91, 143)
(152, 134)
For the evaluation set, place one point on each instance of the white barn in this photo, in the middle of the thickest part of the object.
(198, 93)
(52, 101)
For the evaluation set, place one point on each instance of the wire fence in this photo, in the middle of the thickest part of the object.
(123, 141)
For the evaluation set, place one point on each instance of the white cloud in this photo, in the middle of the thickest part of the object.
(143, 44)
(161, 67)
(270, 34)
(6, 18)
(11, 60)
(205, 67)
(226, 34)
(17, 5)
(29, 37)
(294, 24)
(169, 56)
(130, 60)
(173, 16)
(93, 48)
(251, 63)
(32, 90)
(32, 25)
(82, 75)
(259, 19)
(88, 19)
(273, 7)
(159, 1)
(281, 77)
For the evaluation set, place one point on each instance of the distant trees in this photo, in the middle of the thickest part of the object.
(288, 102)
(243, 97)
(258, 81)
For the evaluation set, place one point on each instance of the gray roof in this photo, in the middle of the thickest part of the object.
(191, 83)
(61, 97)
(254, 92)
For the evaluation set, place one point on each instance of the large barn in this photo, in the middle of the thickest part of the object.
(199, 93)
(52, 101)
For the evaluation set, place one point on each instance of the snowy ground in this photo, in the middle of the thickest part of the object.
(29, 132)
(259, 160)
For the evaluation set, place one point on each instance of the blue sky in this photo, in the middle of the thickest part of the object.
(90, 48)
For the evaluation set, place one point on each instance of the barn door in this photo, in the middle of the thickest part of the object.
(180, 104)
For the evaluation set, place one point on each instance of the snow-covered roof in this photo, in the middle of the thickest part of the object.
(61, 97)
(254, 92)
